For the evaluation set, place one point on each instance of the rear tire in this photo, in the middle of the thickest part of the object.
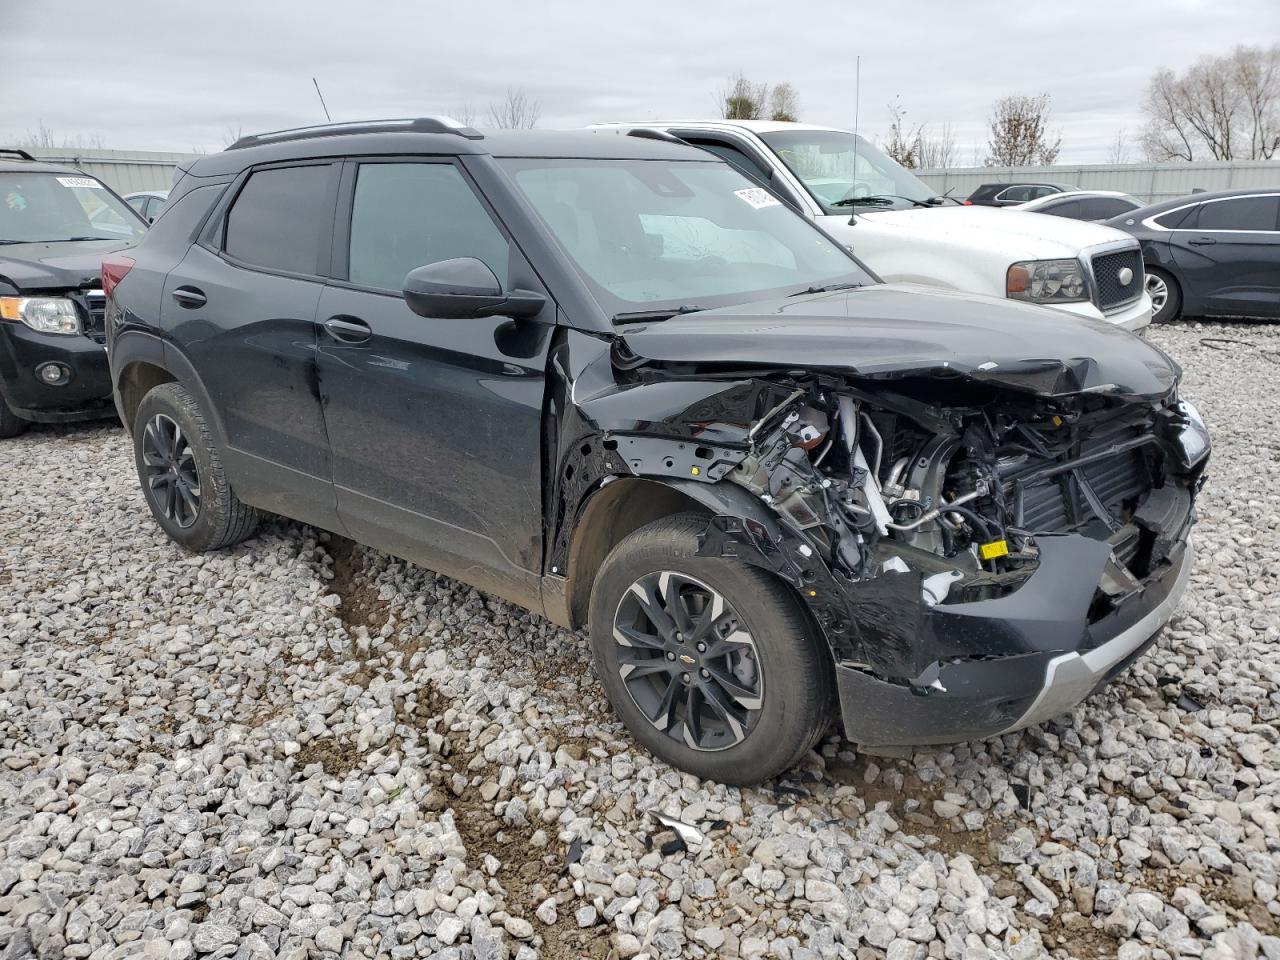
(181, 473)
(1166, 295)
(738, 652)
(10, 423)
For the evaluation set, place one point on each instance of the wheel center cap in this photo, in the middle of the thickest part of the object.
(684, 657)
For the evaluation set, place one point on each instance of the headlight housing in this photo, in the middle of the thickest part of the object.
(1193, 439)
(45, 314)
(1047, 281)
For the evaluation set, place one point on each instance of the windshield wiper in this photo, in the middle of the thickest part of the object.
(880, 198)
(828, 288)
(640, 316)
(60, 239)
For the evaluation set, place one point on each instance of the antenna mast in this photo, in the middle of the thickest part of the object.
(322, 103)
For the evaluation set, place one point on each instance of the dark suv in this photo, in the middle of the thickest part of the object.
(56, 223)
(610, 379)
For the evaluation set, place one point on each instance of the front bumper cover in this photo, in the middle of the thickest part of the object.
(1066, 659)
(86, 395)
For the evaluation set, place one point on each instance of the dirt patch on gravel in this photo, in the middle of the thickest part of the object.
(338, 757)
(360, 605)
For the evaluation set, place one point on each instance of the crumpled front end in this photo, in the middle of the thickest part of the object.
(979, 555)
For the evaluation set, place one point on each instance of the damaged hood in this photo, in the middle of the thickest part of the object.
(894, 330)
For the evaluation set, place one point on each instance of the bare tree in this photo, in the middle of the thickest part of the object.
(464, 113)
(1019, 133)
(42, 138)
(232, 134)
(903, 144)
(937, 153)
(740, 99)
(784, 103)
(916, 148)
(1256, 73)
(1118, 151)
(516, 112)
(1223, 108)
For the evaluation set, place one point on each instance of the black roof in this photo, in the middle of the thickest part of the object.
(1190, 198)
(8, 165)
(1027, 183)
(347, 139)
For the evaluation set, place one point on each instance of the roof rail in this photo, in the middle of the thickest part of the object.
(16, 153)
(653, 133)
(439, 124)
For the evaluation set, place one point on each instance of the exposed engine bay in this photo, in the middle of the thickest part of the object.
(890, 498)
(891, 481)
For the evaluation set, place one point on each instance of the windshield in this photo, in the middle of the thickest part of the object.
(52, 206)
(651, 235)
(844, 172)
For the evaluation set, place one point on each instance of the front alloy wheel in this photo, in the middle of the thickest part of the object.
(688, 661)
(170, 471)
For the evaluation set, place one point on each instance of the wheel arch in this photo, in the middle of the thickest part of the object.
(618, 508)
(142, 361)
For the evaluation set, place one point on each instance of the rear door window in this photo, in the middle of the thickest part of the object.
(283, 219)
(1240, 213)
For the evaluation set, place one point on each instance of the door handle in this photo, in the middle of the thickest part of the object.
(348, 329)
(189, 297)
(1202, 242)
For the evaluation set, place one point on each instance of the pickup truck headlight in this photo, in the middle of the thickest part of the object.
(46, 314)
(1193, 438)
(1046, 281)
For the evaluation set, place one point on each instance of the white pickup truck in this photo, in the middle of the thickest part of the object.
(904, 232)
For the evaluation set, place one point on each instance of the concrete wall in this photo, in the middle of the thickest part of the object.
(1149, 182)
(124, 171)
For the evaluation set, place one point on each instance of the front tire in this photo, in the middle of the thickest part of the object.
(1165, 294)
(181, 473)
(710, 662)
(10, 423)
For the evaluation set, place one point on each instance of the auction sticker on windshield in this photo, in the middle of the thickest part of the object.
(89, 182)
(758, 197)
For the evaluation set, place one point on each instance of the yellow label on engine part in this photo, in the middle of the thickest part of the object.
(996, 548)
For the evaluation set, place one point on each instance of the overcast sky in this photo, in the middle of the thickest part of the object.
(166, 75)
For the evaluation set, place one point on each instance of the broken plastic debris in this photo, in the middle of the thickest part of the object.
(1189, 703)
(691, 835)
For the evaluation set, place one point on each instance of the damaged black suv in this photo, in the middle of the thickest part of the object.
(610, 379)
(56, 225)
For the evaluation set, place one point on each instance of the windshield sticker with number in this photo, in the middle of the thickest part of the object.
(758, 197)
(89, 182)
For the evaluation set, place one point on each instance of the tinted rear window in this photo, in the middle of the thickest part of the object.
(282, 218)
(1104, 208)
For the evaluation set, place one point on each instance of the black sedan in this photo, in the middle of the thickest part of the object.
(1211, 254)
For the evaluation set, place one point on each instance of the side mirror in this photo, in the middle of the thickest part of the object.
(462, 288)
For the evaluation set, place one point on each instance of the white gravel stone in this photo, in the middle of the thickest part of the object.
(219, 756)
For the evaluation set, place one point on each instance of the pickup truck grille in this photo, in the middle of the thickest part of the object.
(1110, 294)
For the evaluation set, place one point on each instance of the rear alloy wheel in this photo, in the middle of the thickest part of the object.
(180, 470)
(171, 472)
(710, 662)
(687, 661)
(1166, 297)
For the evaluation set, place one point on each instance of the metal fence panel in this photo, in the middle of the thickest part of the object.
(1149, 182)
(124, 171)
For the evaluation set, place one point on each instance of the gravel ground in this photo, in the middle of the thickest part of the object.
(301, 748)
